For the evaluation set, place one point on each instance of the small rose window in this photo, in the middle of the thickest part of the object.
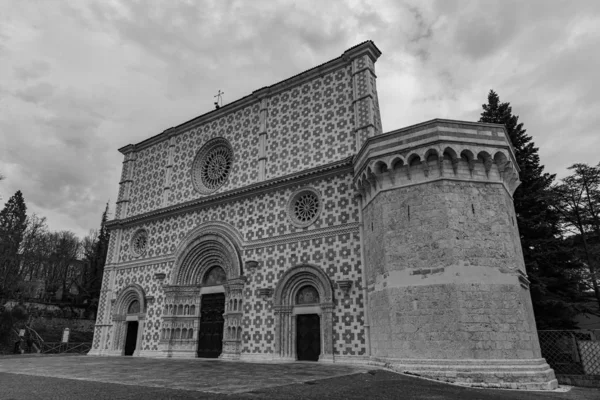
(304, 207)
(139, 242)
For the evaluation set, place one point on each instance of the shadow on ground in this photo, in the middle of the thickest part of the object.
(132, 378)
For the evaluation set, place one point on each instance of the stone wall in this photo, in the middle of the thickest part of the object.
(332, 243)
(442, 271)
(307, 121)
(80, 325)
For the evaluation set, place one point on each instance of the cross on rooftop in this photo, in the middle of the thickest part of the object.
(219, 97)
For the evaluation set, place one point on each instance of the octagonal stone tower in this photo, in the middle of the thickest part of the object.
(448, 294)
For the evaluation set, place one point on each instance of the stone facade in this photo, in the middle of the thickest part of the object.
(291, 202)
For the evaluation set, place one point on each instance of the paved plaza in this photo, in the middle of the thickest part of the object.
(206, 375)
(76, 377)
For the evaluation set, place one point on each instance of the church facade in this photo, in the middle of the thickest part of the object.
(288, 226)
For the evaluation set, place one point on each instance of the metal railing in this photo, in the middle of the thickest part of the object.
(38, 342)
(572, 352)
(60, 347)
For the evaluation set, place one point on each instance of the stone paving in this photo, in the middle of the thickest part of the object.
(206, 375)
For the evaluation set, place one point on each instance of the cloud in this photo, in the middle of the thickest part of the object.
(34, 70)
(38, 93)
(86, 78)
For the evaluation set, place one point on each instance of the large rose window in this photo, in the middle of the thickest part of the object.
(212, 166)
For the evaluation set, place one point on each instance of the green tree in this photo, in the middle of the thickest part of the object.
(549, 264)
(13, 223)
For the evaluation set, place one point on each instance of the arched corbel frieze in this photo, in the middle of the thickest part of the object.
(469, 158)
(486, 159)
(453, 157)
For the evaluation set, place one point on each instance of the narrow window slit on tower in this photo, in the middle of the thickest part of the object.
(473, 208)
(408, 207)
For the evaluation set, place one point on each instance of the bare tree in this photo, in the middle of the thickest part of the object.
(577, 199)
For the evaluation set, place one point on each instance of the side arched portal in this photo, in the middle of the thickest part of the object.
(128, 320)
(290, 301)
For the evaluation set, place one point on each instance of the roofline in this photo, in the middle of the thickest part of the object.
(430, 122)
(364, 48)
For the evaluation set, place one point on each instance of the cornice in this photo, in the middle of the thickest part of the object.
(365, 48)
(434, 123)
(320, 172)
(300, 236)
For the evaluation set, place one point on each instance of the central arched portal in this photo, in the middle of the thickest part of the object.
(203, 313)
(212, 310)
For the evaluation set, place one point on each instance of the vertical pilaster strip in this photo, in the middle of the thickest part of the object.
(125, 185)
(103, 314)
(367, 121)
(168, 172)
(108, 286)
(364, 109)
(262, 141)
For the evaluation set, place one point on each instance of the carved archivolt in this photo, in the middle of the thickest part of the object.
(126, 296)
(206, 246)
(299, 276)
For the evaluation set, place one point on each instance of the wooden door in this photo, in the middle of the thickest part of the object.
(131, 338)
(210, 335)
(308, 337)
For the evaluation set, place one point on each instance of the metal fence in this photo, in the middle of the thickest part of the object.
(59, 347)
(575, 352)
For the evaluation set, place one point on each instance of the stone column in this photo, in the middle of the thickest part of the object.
(327, 331)
(284, 325)
(232, 339)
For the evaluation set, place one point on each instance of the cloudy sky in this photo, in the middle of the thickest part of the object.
(79, 79)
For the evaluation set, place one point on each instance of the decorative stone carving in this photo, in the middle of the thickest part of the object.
(344, 285)
(265, 292)
(251, 265)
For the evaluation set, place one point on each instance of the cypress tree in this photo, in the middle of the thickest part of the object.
(554, 289)
(13, 222)
(101, 253)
